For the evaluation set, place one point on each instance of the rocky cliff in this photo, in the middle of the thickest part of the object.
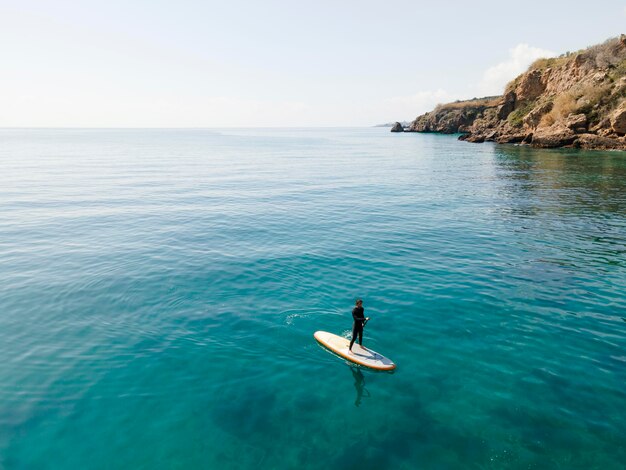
(454, 117)
(576, 100)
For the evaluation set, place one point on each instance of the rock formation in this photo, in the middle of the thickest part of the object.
(576, 100)
(397, 127)
(453, 117)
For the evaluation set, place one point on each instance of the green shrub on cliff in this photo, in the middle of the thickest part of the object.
(486, 102)
(516, 118)
(608, 54)
(544, 63)
(618, 71)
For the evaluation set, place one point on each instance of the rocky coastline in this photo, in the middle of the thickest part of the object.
(577, 100)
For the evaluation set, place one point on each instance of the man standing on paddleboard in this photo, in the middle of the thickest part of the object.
(359, 322)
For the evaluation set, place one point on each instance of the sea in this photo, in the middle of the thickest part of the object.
(159, 291)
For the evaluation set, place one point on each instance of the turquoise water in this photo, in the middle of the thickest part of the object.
(159, 290)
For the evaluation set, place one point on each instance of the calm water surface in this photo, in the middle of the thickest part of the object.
(159, 290)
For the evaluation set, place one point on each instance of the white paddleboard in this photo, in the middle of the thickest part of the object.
(359, 355)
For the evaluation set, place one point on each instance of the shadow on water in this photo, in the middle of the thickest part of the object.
(274, 423)
(572, 201)
(553, 426)
(562, 180)
(250, 412)
(419, 438)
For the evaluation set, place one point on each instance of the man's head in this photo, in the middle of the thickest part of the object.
(358, 302)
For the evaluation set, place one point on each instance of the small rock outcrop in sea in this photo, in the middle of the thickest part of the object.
(576, 100)
(397, 127)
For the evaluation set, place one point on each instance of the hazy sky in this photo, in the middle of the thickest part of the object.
(190, 63)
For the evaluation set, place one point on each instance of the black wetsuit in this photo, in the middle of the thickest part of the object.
(357, 328)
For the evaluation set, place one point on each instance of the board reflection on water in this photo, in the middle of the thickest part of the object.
(359, 385)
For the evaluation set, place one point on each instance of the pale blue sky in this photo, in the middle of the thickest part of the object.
(272, 63)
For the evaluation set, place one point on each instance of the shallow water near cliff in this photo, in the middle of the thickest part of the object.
(159, 291)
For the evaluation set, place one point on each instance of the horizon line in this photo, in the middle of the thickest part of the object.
(187, 128)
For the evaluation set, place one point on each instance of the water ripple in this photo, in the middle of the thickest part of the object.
(160, 289)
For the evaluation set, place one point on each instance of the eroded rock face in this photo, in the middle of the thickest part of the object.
(511, 138)
(397, 127)
(618, 120)
(576, 123)
(533, 118)
(507, 106)
(531, 86)
(554, 136)
(477, 139)
(592, 141)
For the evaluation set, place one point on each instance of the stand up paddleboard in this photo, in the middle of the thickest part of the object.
(359, 355)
